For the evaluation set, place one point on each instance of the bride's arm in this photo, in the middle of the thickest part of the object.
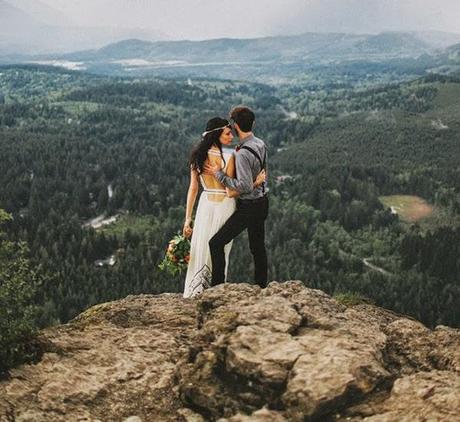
(191, 198)
(261, 177)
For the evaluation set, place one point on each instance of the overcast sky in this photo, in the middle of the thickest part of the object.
(203, 19)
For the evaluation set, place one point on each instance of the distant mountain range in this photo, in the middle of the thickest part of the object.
(268, 59)
(33, 32)
(309, 46)
(31, 27)
(42, 12)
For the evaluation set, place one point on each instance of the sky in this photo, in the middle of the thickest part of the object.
(205, 19)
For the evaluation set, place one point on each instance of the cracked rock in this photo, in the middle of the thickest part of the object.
(238, 353)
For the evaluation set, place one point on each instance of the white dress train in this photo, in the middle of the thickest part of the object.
(209, 218)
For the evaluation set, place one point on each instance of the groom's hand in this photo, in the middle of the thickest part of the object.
(211, 169)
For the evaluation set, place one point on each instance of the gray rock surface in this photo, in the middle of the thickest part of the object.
(114, 361)
(239, 353)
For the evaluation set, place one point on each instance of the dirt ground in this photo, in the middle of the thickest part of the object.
(409, 208)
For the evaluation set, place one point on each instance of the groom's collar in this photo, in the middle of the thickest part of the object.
(245, 139)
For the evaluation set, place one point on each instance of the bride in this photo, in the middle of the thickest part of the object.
(216, 203)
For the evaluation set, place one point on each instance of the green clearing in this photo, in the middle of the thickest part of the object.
(448, 95)
(413, 209)
(76, 107)
(410, 209)
(136, 223)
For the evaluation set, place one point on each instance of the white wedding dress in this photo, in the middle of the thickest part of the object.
(214, 209)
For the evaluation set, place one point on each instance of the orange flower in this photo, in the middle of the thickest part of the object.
(187, 259)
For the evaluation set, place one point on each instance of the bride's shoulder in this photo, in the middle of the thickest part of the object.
(214, 151)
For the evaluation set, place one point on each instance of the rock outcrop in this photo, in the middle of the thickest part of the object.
(239, 353)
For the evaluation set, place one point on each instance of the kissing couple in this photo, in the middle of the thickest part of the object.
(233, 199)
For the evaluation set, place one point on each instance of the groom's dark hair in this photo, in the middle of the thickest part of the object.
(244, 117)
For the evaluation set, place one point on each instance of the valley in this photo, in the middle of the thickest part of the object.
(342, 140)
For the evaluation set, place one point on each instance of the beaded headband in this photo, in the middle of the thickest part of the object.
(213, 130)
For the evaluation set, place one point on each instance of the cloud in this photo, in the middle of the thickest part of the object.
(201, 19)
(370, 16)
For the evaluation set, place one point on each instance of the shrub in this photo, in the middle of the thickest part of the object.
(17, 289)
(351, 299)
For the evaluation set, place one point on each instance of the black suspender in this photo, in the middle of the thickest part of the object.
(262, 163)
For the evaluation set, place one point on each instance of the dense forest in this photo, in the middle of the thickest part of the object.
(75, 147)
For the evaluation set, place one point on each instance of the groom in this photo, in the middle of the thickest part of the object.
(252, 203)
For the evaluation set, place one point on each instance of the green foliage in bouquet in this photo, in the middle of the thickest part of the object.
(177, 255)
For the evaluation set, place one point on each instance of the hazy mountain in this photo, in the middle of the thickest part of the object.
(42, 12)
(305, 47)
(454, 50)
(31, 27)
(14, 18)
(263, 59)
(438, 39)
(299, 47)
(393, 43)
(15, 25)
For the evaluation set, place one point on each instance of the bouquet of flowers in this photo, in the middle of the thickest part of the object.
(177, 255)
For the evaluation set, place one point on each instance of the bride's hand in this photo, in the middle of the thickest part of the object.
(261, 178)
(187, 230)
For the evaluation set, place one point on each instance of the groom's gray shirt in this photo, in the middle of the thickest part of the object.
(247, 168)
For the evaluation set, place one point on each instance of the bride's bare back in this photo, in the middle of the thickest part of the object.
(214, 189)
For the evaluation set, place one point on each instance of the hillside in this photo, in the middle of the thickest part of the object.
(295, 47)
(275, 59)
(393, 42)
(286, 353)
(79, 147)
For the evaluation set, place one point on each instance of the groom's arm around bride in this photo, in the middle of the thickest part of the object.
(252, 203)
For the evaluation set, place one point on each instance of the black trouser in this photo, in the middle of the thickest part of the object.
(250, 215)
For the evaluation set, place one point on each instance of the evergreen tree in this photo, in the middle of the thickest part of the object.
(17, 288)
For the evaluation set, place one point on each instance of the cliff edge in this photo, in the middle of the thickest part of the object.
(238, 353)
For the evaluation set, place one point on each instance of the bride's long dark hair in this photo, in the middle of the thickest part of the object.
(200, 152)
